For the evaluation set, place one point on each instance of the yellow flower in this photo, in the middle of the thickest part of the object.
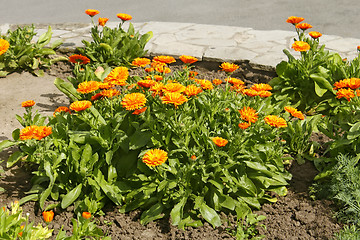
(141, 62)
(155, 157)
(174, 87)
(261, 87)
(48, 216)
(109, 93)
(275, 121)
(118, 76)
(28, 103)
(80, 105)
(294, 112)
(248, 114)
(133, 101)
(124, 16)
(61, 109)
(220, 142)
(102, 21)
(164, 59)
(300, 46)
(229, 67)
(188, 59)
(294, 20)
(315, 35)
(345, 93)
(192, 90)
(303, 26)
(88, 87)
(146, 83)
(175, 98)
(4, 46)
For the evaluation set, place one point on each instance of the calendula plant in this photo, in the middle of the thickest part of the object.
(165, 143)
(15, 226)
(19, 53)
(115, 47)
(307, 81)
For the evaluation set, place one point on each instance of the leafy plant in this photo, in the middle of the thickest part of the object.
(115, 47)
(348, 233)
(14, 225)
(24, 55)
(341, 183)
(248, 228)
(308, 81)
(96, 154)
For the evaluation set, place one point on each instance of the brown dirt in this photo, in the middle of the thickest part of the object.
(294, 216)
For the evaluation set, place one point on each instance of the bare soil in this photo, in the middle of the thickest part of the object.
(295, 216)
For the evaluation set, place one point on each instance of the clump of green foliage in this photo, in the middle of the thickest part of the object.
(25, 55)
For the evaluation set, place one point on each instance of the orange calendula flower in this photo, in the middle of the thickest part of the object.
(248, 114)
(21, 228)
(175, 98)
(157, 88)
(86, 215)
(80, 105)
(96, 96)
(163, 70)
(139, 111)
(234, 81)
(294, 20)
(275, 121)
(192, 90)
(261, 87)
(315, 35)
(88, 87)
(244, 125)
(133, 101)
(164, 59)
(193, 157)
(35, 132)
(193, 74)
(264, 94)
(174, 87)
(188, 59)
(250, 92)
(48, 216)
(41, 132)
(352, 83)
(294, 112)
(158, 78)
(300, 46)
(27, 133)
(345, 93)
(102, 21)
(4, 46)
(206, 84)
(229, 67)
(124, 16)
(155, 157)
(28, 103)
(91, 12)
(118, 76)
(148, 70)
(105, 85)
(78, 58)
(146, 83)
(109, 93)
(141, 62)
(220, 142)
(61, 109)
(216, 82)
(303, 26)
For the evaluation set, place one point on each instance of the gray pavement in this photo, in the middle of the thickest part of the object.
(226, 30)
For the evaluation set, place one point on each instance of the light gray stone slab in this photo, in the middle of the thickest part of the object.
(228, 54)
(4, 28)
(159, 27)
(343, 45)
(178, 49)
(210, 42)
(163, 39)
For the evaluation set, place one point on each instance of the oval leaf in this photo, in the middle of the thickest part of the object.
(71, 196)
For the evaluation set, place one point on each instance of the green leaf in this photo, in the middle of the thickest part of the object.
(154, 213)
(176, 213)
(47, 51)
(210, 215)
(139, 139)
(45, 38)
(56, 43)
(32, 197)
(71, 196)
(14, 158)
(354, 131)
(322, 85)
(68, 89)
(6, 144)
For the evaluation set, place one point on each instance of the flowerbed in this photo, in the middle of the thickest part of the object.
(177, 146)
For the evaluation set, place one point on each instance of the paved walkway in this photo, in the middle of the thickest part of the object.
(206, 42)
